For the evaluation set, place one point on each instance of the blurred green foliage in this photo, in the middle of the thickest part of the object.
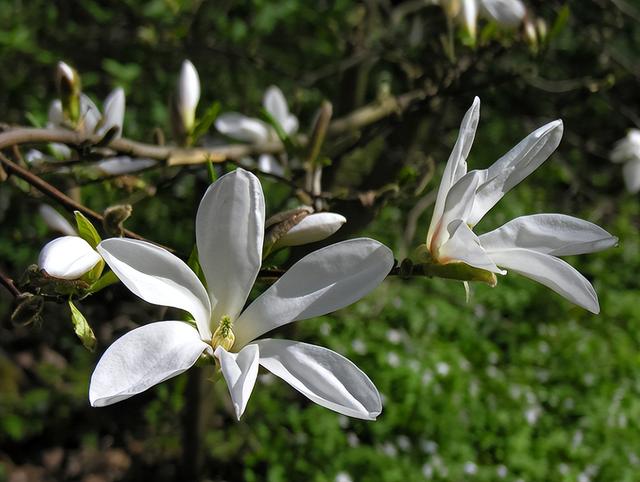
(516, 385)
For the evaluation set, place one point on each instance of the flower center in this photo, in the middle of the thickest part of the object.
(223, 336)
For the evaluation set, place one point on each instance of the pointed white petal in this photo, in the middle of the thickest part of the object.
(229, 236)
(551, 272)
(89, 114)
(322, 375)
(314, 227)
(457, 163)
(276, 105)
(242, 128)
(508, 13)
(117, 166)
(514, 166)
(631, 175)
(324, 281)
(463, 245)
(143, 358)
(554, 234)
(56, 221)
(55, 116)
(68, 257)
(269, 164)
(240, 371)
(188, 93)
(158, 277)
(114, 106)
(458, 204)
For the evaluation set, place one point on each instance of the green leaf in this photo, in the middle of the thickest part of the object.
(282, 135)
(108, 279)
(205, 121)
(560, 22)
(82, 328)
(86, 230)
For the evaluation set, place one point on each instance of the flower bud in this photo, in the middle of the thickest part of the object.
(541, 29)
(188, 94)
(470, 17)
(451, 7)
(314, 227)
(114, 217)
(68, 257)
(69, 87)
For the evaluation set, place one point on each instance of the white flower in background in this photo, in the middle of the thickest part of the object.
(248, 129)
(56, 221)
(68, 257)
(528, 245)
(627, 152)
(188, 94)
(506, 13)
(117, 166)
(314, 227)
(229, 237)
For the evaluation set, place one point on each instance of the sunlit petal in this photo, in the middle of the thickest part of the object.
(188, 93)
(463, 245)
(242, 128)
(508, 13)
(312, 228)
(113, 116)
(240, 371)
(68, 257)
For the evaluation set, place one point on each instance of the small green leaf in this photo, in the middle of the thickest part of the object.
(108, 279)
(560, 22)
(82, 328)
(86, 230)
(205, 121)
(212, 171)
(282, 135)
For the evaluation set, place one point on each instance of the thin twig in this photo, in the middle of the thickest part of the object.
(8, 283)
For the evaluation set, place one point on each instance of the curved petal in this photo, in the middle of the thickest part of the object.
(631, 175)
(324, 376)
(240, 371)
(68, 257)
(312, 228)
(56, 221)
(458, 204)
(143, 358)
(554, 234)
(324, 281)
(89, 114)
(158, 277)
(508, 13)
(117, 166)
(290, 124)
(242, 128)
(513, 167)
(270, 165)
(229, 236)
(113, 113)
(551, 272)
(457, 164)
(188, 93)
(463, 245)
(276, 105)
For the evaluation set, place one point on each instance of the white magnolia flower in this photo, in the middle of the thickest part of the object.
(55, 221)
(528, 245)
(314, 227)
(248, 129)
(627, 151)
(229, 236)
(68, 257)
(188, 94)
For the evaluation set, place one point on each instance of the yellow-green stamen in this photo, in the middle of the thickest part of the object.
(223, 336)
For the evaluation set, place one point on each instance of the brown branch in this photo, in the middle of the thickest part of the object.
(9, 284)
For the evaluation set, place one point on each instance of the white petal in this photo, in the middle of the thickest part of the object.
(457, 205)
(551, 272)
(143, 358)
(229, 235)
(60, 151)
(290, 125)
(631, 175)
(322, 375)
(470, 16)
(89, 114)
(240, 371)
(628, 148)
(55, 115)
(513, 167)
(554, 234)
(242, 128)
(56, 221)
(508, 13)
(324, 281)
(113, 112)
(158, 277)
(117, 166)
(457, 164)
(188, 93)
(269, 164)
(276, 105)
(463, 245)
(68, 257)
(312, 228)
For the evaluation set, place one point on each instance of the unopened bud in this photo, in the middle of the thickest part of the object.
(541, 28)
(312, 228)
(114, 217)
(188, 94)
(69, 88)
(28, 309)
(530, 34)
(451, 7)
